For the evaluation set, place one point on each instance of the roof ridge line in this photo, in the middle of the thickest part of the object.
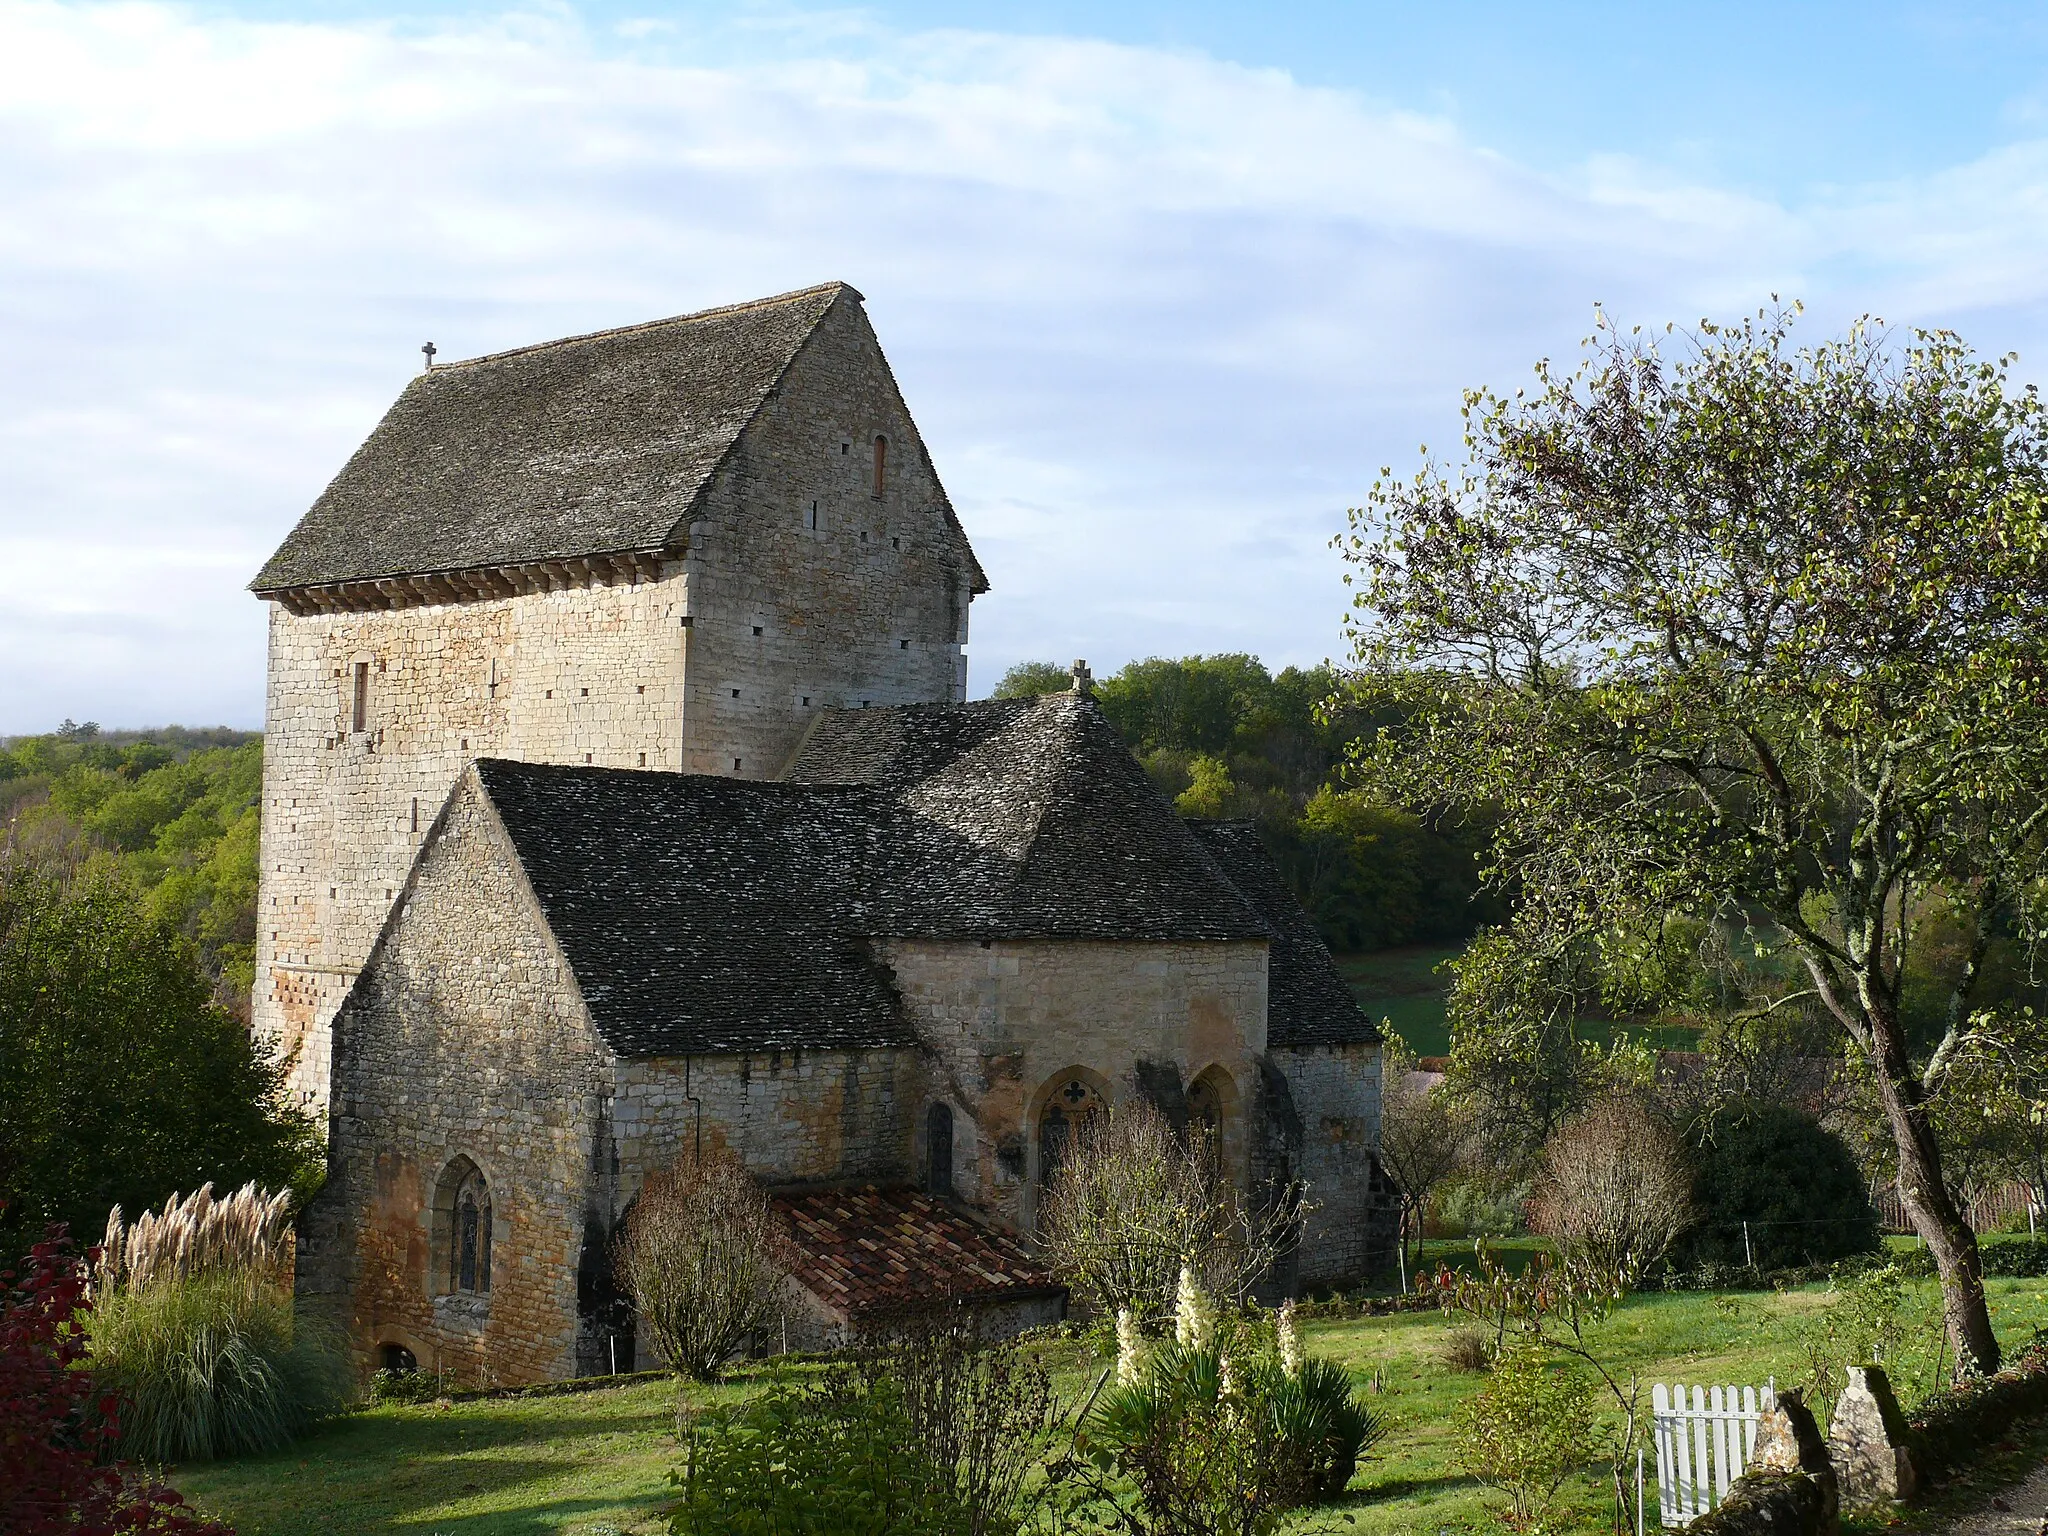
(647, 325)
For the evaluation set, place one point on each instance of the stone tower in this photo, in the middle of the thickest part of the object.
(661, 547)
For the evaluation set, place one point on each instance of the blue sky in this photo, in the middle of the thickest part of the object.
(1165, 284)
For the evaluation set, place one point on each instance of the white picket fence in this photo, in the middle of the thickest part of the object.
(1702, 1444)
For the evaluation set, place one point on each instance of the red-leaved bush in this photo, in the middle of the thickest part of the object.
(54, 1424)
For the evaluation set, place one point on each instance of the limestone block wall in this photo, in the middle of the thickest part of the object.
(812, 585)
(465, 1038)
(1006, 1023)
(1335, 1093)
(794, 1117)
(582, 675)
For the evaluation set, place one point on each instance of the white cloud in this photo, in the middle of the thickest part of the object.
(1161, 317)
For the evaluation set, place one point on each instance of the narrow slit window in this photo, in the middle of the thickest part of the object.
(360, 714)
(881, 462)
(814, 517)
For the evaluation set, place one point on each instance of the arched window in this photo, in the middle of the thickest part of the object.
(1212, 1117)
(1069, 1109)
(881, 462)
(462, 1231)
(938, 1151)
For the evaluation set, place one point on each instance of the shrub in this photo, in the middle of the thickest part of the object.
(1134, 1202)
(1466, 1349)
(977, 1408)
(193, 1325)
(1221, 1434)
(1615, 1186)
(1790, 1178)
(213, 1365)
(56, 1421)
(1526, 1431)
(840, 1453)
(698, 1257)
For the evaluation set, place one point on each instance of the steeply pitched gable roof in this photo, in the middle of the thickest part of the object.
(1033, 820)
(591, 445)
(702, 914)
(1307, 1001)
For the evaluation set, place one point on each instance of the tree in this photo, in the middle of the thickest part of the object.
(1616, 1186)
(699, 1258)
(120, 1082)
(1424, 1134)
(1755, 635)
(1029, 679)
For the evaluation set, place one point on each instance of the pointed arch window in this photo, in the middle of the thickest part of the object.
(463, 1231)
(1069, 1110)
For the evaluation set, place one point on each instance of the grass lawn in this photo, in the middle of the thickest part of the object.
(595, 1463)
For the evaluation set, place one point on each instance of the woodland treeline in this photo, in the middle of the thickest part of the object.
(1226, 739)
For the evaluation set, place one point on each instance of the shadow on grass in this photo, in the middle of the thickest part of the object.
(1405, 1487)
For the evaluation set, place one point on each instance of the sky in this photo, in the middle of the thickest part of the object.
(1165, 284)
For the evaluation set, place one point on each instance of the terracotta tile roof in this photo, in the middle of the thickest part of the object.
(869, 1250)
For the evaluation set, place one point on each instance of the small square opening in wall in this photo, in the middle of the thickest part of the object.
(735, 693)
(465, 743)
(895, 543)
(586, 757)
(863, 535)
(902, 645)
(549, 694)
(735, 765)
(643, 759)
(757, 629)
(586, 693)
(640, 688)
(807, 701)
(846, 447)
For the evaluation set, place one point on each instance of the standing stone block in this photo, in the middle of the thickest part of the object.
(1867, 1443)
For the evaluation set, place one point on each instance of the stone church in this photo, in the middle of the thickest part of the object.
(622, 798)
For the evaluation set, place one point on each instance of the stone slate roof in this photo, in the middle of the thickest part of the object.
(706, 915)
(872, 1251)
(1307, 1000)
(1043, 820)
(703, 914)
(591, 445)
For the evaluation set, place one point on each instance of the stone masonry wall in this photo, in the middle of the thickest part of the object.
(808, 588)
(1006, 1022)
(465, 1038)
(794, 1117)
(771, 614)
(593, 675)
(1335, 1091)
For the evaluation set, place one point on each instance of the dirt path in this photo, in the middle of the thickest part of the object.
(2020, 1510)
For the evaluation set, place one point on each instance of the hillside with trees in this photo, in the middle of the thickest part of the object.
(174, 813)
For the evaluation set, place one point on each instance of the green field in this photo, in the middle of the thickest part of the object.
(1403, 985)
(594, 1463)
